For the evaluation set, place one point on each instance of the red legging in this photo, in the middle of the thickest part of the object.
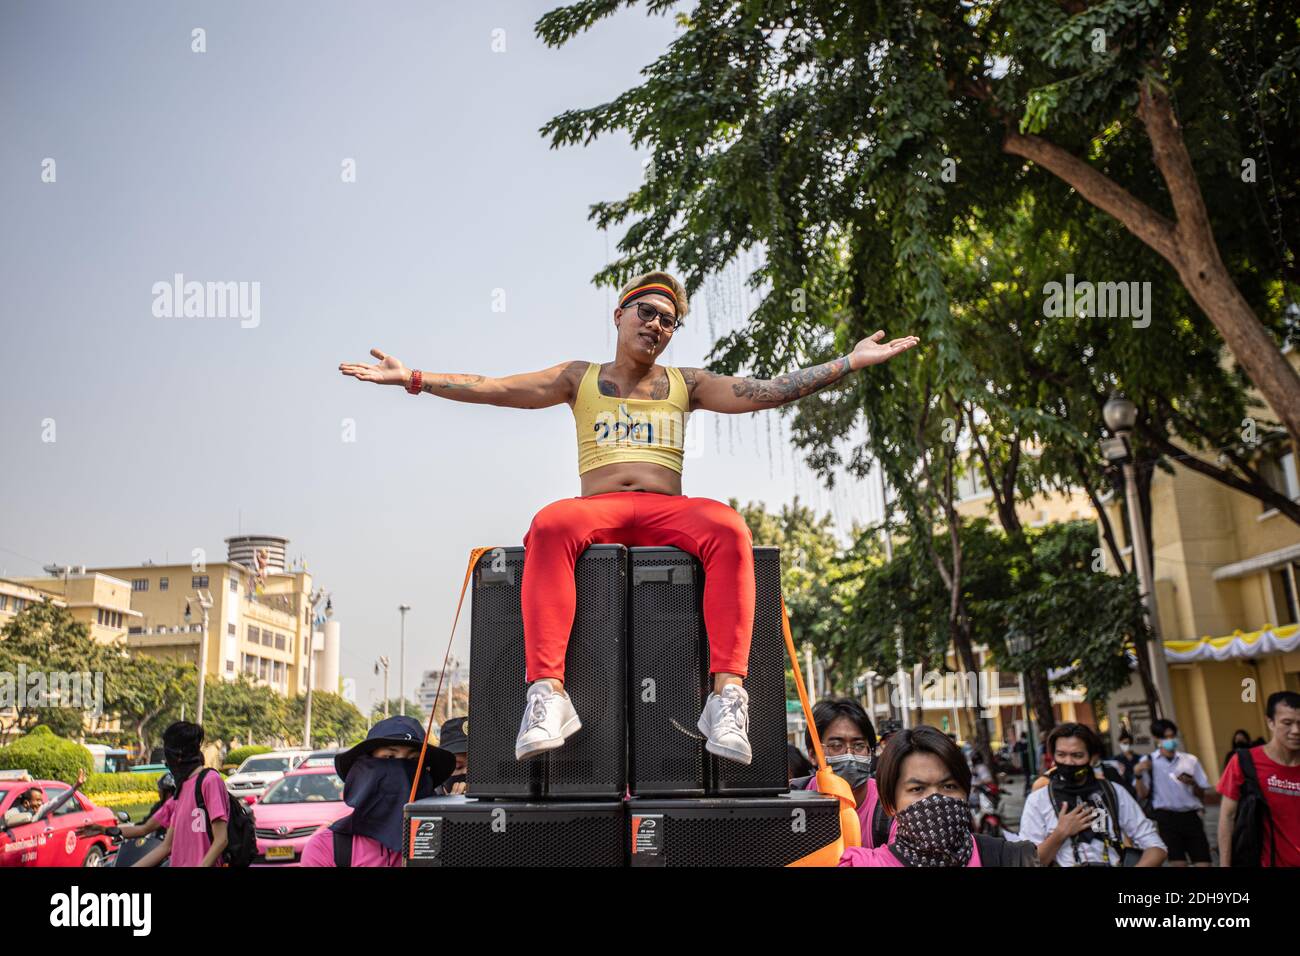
(708, 529)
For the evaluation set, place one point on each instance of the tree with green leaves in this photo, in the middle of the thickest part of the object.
(46, 643)
(146, 693)
(243, 711)
(852, 139)
(333, 719)
(395, 707)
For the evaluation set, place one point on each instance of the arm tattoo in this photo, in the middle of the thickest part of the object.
(433, 383)
(793, 386)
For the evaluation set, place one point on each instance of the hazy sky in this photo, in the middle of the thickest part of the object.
(173, 432)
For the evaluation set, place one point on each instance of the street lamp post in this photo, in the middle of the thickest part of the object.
(1121, 415)
(313, 619)
(401, 663)
(383, 662)
(1019, 646)
(205, 602)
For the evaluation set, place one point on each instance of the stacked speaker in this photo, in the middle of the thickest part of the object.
(635, 784)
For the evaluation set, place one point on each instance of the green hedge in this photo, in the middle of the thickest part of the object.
(46, 756)
(240, 754)
(121, 782)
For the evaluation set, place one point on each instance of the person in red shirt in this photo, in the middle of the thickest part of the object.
(1277, 765)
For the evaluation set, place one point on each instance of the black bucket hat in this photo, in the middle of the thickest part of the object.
(454, 736)
(438, 763)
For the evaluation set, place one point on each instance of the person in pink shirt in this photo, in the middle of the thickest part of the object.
(377, 776)
(849, 743)
(923, 782)
(187, 842)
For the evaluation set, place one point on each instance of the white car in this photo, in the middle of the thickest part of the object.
(261, 770)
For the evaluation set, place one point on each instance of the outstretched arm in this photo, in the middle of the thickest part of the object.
(550, 386)
(732, 394)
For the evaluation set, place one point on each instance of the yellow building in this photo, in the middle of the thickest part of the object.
(1226, 571)
(256, 628)
(100, 601)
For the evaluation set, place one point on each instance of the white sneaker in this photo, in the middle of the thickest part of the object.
(725, 722)
(549, 720)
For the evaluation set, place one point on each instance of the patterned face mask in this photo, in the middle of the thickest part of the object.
(935, 831)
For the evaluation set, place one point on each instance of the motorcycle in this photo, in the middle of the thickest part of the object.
(127, 851)
(985, 799)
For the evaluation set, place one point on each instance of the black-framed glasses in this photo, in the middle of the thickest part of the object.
(836, 747)
(648, 313)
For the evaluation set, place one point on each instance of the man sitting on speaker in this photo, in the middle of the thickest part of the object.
(631, 425)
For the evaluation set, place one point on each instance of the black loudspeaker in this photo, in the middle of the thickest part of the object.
(668, 680)
(730, 831)
(462, 832)
(592, 763)
(667, 674)
(768, 772)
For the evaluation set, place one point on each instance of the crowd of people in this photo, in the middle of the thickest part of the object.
(913, 788)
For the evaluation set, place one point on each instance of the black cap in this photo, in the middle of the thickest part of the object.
(454, 735)
(438, 763)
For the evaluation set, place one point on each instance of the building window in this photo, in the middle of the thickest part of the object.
(279, 642)
(263, 668)
(230, 667)
(199, 581)
(4, 601)
(18, 605)
(1278, 469)
(135, 630)
(230, 629)
(267, 639)
(140, 584)
(1283, 583)
(162, 584)
(234, 585)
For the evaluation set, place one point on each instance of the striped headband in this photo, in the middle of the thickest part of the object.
(657, 288)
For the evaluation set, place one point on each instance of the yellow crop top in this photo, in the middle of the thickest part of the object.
(630, 429)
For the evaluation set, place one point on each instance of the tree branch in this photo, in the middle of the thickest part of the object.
(1099, 189)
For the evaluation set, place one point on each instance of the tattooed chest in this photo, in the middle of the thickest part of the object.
(658, 391)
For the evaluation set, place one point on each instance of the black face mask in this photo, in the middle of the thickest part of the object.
(182, 761)
(377, 789)
(1075, 777)
(855, 770)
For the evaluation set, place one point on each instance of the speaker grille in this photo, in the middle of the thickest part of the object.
(738, 831)
(667, 673)
(501, 833)
(767, 773)
(593, 762)
(497, 683)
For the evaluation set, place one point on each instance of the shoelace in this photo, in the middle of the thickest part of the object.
(732, 713)
(537, 706)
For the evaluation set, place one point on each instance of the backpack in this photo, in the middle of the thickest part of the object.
(342, 849)
(1253, 819)
(999, 851)
(1114, 841)
(241, 845)
(880, 825)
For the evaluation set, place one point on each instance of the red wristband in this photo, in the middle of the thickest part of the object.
(416, 385)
